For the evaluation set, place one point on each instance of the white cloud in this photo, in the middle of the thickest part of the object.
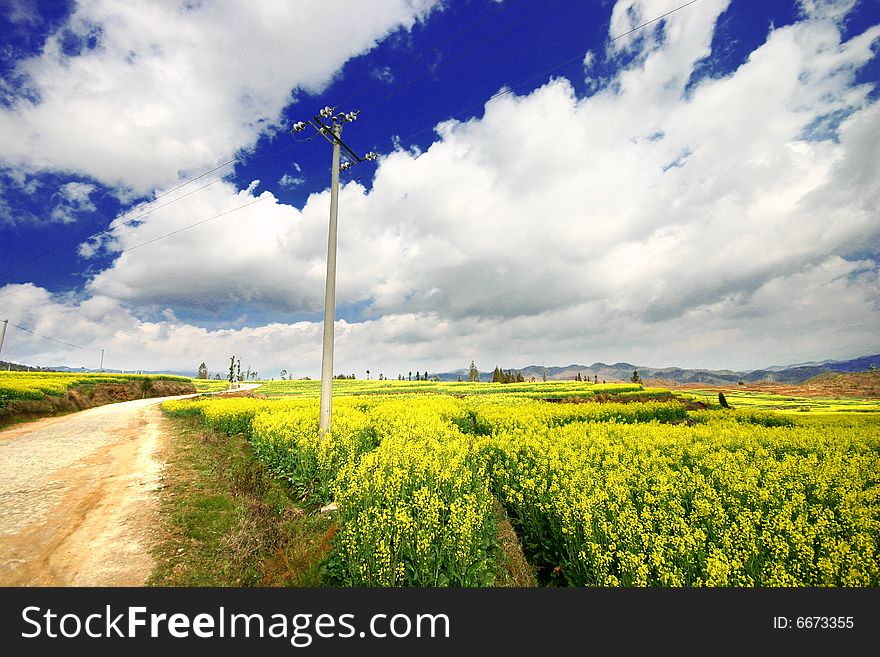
(384, 74)
(169, 86)
(291, 181)
(73, 198)
(665, 221)
(589, 60)
(786, 318)
(826, 9)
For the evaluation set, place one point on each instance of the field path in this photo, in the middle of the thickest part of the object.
(78, 504)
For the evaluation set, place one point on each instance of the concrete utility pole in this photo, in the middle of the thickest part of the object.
(330, 293)
(102, 361)
(3, 334)
(333, 134)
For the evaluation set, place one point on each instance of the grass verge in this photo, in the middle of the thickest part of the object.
(227, 521)
(515, 570)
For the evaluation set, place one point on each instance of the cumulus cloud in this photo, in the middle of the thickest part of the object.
(729, 221)
(131, 93)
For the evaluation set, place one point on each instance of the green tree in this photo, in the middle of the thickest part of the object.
(146, 385)
(635, 377)
(232, 369)
(473, 373)
(203, 372)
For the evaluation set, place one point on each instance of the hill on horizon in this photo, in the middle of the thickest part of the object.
(623, 372)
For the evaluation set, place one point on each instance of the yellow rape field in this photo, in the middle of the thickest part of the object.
(36, 385)
(643, 493)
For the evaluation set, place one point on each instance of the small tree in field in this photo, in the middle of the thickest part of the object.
(146, 385)
(635, 377)
(473, 373)
(203, 372)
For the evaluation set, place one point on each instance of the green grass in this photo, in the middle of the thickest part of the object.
(762, 401)
(228, 522)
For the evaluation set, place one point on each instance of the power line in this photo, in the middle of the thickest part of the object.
(47, 254)
(385, 98)
(161, 237)
(502, 7)
(560, 64)
(539, 8)
(46, 337)
(198, 223)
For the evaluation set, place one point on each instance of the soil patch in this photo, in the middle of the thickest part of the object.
(88, 396)
(80, 508)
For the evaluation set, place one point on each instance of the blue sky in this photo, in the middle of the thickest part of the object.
(702, 192)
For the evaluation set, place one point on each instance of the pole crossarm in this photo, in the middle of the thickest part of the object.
(332, 136)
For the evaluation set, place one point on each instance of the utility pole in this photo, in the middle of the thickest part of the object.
(102, 361)
(329, 126)
(3, 334)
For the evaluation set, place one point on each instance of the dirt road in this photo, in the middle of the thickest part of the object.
(78, 503)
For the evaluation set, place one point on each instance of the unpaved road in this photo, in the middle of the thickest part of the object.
(78, 503)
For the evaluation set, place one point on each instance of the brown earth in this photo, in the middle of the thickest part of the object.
(87, 396)
(77, 502)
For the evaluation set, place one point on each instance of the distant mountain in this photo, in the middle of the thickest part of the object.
(623, 372)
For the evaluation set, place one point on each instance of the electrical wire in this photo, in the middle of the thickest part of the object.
(511, 88)
(539, 8)
(156, 239)
(467, 110)
(46, 337)
(47, 254)
(494, 13)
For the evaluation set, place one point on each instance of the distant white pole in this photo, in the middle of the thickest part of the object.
(102, 360)
(330, 295)
(3, 334)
